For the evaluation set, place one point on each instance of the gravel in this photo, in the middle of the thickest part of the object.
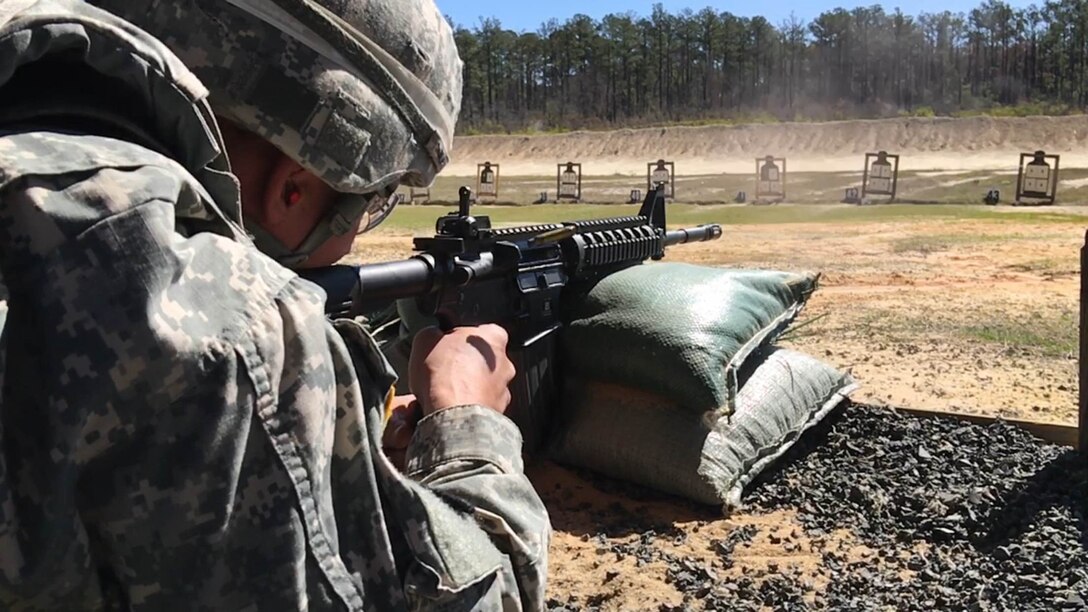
(956, 516)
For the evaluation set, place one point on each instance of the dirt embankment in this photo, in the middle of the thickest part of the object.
(926, 144)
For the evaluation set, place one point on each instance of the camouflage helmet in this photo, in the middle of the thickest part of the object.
(363, 93)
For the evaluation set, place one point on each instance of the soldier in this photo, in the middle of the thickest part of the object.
(180, 426)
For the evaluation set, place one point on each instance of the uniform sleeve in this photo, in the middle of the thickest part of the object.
(472, 454)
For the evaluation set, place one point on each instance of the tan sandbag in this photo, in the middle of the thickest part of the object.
(647, 439)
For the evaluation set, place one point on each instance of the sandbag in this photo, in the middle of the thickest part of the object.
(679, 330)
(649, 440)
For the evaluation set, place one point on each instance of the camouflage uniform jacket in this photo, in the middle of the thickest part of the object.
(180, 427)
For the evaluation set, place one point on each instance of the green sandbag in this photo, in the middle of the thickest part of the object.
(679, 330)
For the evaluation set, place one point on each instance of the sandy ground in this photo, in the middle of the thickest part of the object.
(939, 143)
(588, 570)
(600, 560)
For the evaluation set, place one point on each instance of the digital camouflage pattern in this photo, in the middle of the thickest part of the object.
(180, 427)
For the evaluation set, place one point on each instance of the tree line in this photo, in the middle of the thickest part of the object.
(689, 66)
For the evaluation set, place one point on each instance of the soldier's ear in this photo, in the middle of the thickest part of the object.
(284, 193)
(256, 163)
(295, 196)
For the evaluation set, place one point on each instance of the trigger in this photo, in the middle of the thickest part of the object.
(445, 323)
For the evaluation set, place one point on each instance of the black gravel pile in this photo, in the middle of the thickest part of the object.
(999, 518)
(956, 516)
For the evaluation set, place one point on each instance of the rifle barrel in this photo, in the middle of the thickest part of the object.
(393, 280)
(703, 233)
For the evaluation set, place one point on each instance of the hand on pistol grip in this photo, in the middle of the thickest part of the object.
(464, 366)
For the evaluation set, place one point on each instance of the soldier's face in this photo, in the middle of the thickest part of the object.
(281, 196)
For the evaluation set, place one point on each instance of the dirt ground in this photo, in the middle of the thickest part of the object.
(621, 572)
(600, 557)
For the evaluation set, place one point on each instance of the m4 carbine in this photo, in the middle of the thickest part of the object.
(470, 273)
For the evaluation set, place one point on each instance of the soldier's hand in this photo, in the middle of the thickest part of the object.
(466, 366)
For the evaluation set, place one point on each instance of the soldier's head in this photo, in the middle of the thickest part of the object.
(326, 106)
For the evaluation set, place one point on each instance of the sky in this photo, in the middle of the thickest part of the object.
(522, 15)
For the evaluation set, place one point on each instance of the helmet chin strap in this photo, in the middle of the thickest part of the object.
(340, 221)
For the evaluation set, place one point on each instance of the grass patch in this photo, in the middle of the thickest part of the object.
(1046, 267)
(1054, 337)
(1026, 109)
(1047, 334)
(921, 245)
(936, 243)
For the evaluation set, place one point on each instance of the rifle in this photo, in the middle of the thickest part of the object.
(470, 273)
